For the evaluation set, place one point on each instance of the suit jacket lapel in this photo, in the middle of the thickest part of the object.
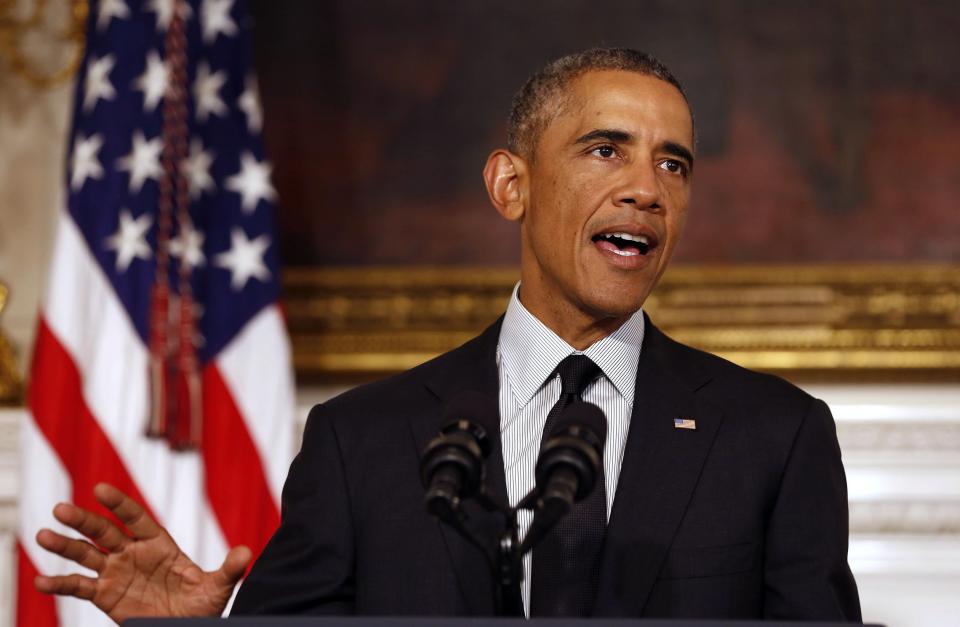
(661, 467)
(471, 367)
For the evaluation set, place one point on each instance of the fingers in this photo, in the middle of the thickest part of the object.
(67, 585)
(128, 511)
(81, 552)
(233, 566)
(97, 528)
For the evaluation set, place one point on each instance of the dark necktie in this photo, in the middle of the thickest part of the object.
(566, 564)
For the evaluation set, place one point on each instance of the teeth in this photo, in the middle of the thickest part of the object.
(625, 253)
(642, 239)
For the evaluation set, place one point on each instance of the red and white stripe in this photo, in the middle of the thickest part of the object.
(88, 403)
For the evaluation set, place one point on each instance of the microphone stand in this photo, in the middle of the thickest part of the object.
(507, 567)
(506, 560)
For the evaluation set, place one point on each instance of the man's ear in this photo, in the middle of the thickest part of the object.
(505, 177)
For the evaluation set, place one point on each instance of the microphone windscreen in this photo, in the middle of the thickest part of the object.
(480, 409)
(582, 414)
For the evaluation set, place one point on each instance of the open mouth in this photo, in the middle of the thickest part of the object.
(625, 244)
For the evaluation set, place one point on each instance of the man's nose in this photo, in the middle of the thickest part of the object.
(639, 188)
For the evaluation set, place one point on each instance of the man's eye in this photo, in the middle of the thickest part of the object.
(672, 165)
(605, 151)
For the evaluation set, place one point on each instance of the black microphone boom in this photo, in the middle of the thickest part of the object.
(452, 464)
(566, 471)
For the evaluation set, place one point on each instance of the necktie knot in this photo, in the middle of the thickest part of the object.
(576, 373)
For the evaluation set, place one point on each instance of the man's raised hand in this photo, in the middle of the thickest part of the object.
(143, 575)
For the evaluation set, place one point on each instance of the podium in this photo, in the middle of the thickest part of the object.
(384, 621)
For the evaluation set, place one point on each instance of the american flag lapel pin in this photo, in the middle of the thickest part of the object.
(684, 423)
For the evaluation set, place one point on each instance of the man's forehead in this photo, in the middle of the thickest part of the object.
(631, 100)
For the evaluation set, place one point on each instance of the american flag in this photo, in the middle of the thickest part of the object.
(162, 364)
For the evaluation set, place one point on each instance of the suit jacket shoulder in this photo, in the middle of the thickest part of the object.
(746, 513)
(770, 407)
(354, 535)
(468, 366)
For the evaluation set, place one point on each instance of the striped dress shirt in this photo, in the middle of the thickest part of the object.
(527, 354)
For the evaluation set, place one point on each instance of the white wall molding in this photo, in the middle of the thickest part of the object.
(909, 435)
(940, 518)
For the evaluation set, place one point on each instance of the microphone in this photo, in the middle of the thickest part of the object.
(566, 471)
(451, 467)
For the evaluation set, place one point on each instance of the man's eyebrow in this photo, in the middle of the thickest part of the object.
(609, 134)
(678, 150)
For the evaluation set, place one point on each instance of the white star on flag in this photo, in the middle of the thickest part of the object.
(206, 92)
(188, 246)
(98, 83)
(84, 163)
(153, 82)
(143, 162)
(244, 259)
(108, 9)
(249, 103)
(197, 168)
(252, 182)
(164, 11)
(215, 16)
(130, 239)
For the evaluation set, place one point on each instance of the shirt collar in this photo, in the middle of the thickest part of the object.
(529, 351)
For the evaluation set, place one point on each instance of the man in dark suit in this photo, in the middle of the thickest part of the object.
(729, 501)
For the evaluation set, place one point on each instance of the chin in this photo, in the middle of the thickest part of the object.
(616, 304)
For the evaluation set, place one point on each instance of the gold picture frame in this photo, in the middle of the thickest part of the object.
(804, 322)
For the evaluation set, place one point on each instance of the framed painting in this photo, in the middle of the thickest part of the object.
(823, 240)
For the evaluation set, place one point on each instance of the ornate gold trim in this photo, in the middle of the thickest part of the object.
(11, 383)
(851, 322)
(15, 31)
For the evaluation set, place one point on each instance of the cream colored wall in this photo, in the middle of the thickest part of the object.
(33, 131)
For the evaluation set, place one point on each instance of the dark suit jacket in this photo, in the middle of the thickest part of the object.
(743, 517)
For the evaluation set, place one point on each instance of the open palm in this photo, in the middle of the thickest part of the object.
(145, 574)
